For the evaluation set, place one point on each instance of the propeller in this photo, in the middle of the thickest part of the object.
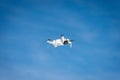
(62, 35)
(49, 40)
(71, 40)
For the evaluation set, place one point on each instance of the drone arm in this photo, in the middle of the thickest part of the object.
(50, 42)
(70, 45)
(62, 38)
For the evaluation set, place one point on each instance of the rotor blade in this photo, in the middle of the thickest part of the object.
(62, 35)
(71, 40)
(49, 39)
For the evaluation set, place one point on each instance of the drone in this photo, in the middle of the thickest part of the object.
(60, 42)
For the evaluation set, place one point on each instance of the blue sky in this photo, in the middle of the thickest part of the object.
(25, 26)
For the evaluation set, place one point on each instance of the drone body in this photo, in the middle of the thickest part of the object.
(60, 42)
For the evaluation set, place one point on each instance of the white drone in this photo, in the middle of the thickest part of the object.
(60, 42)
